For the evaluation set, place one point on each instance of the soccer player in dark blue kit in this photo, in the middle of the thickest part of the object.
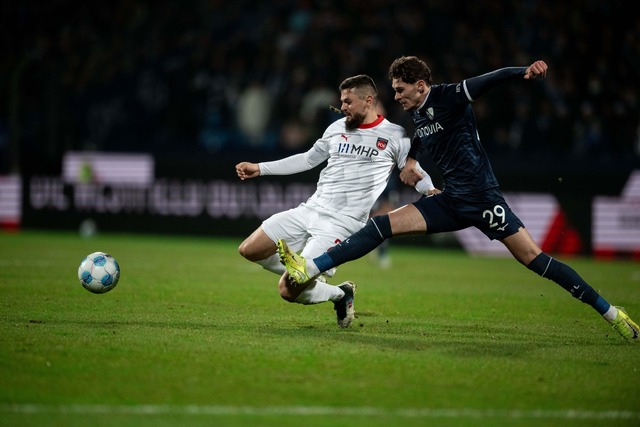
(445, 127)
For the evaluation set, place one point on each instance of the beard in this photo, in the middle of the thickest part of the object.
(353, 122)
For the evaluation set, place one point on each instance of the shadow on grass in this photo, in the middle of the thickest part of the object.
(460, 339)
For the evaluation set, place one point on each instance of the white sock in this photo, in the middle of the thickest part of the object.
(611, 314)
(312, 268)
(319, 291)
(272, 264)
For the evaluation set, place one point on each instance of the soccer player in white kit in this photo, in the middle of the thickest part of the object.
(361, 150)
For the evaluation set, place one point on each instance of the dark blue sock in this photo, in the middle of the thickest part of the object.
(571, 281)
(357, 245)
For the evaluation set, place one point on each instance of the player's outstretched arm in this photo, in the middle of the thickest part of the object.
(479, 85)
(246, 170)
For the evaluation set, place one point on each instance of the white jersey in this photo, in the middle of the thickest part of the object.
(359, 165)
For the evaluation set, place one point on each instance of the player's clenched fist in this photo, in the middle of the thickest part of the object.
(537, 69)
(247, 170)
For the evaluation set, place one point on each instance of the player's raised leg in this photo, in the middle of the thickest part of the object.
(407, 220)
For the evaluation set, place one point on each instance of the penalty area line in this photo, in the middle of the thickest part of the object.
(26, 409)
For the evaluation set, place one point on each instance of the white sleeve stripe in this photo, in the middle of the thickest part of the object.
(466, 91)
(376, 225)
(547, 267)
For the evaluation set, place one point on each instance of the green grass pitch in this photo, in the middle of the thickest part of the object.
(194, 335)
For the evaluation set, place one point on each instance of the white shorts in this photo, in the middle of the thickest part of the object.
(310, 230)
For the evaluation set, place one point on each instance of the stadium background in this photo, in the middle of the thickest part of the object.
(194, 87)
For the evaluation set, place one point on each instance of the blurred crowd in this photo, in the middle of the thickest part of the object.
(211, 77)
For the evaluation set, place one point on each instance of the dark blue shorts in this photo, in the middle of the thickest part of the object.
(488, 212)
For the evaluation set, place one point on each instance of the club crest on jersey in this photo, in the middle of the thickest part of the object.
(430, 113)
(381, 143)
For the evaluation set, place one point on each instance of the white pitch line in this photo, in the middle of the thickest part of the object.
(26, 409)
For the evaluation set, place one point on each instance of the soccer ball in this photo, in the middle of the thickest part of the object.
(99, 272)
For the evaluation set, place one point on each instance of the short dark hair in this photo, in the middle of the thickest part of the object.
(361, 81)
(410, 69)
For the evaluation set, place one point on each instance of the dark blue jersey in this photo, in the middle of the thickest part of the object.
(446, 128)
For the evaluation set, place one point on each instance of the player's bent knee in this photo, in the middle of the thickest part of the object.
(242, 250)
(245, 251)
